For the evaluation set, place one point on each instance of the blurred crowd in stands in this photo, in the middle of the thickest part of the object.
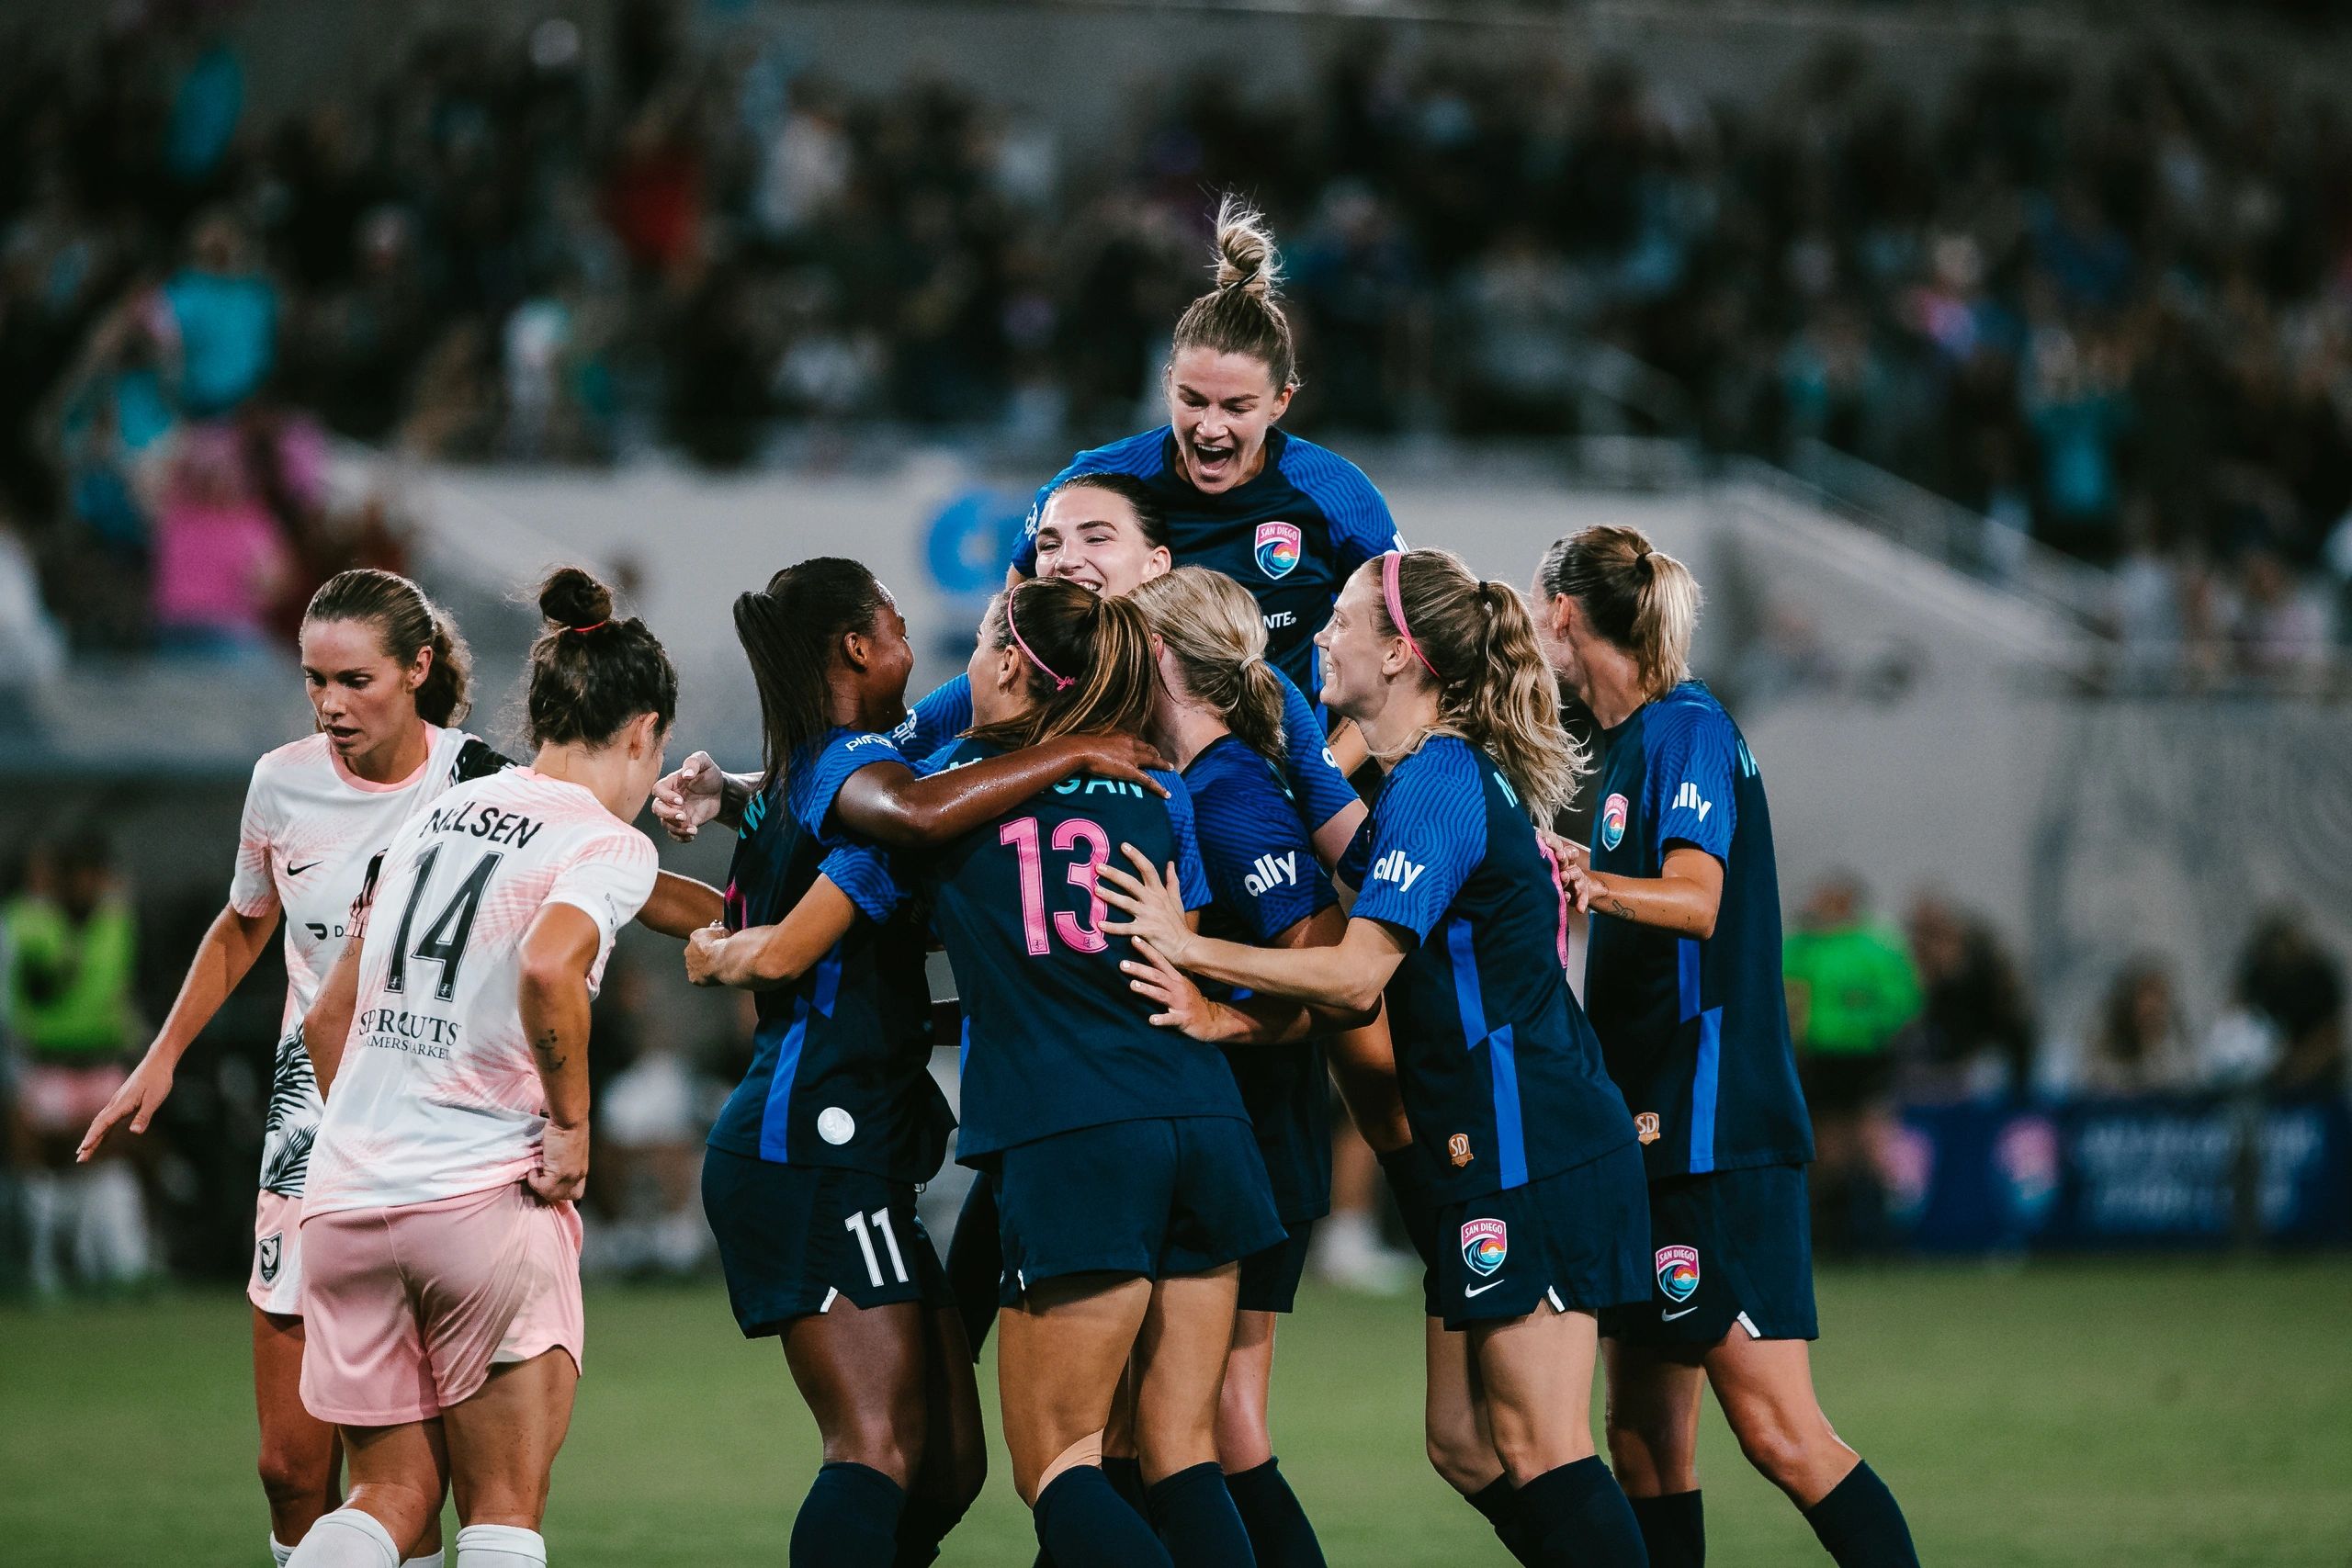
(2109, 305)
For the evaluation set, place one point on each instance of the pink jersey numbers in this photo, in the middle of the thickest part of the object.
(1076, 833)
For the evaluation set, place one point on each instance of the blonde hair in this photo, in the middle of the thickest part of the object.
(1477, 643)
(1639, 598)
(1217, 635)
(1240, 315)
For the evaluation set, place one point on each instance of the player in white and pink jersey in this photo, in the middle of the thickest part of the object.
(451, 1041)
(387, 675)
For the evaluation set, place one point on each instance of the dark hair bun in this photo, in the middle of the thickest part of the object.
(571, 598)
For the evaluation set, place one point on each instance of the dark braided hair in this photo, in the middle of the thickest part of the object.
(591, 673)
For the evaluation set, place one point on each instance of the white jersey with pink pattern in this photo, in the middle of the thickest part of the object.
(310, 829)
(436, 1094)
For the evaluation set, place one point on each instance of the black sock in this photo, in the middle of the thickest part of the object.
(922, 1524)
(1194, 1515)
(1499, 1501)
(1673, 1529)
(1575, 1518)
(849, 1519)
(1081, 1523)
(1125, 1472)
(1279, 1532)
(1861, 1524)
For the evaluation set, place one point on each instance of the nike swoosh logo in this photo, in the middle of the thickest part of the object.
(1671, 1316)
(1480, 1289)
(298, 869)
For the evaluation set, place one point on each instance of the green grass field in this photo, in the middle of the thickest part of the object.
(2135, 1414)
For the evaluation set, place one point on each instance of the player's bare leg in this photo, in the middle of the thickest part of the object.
(503, 1440)
(1653, 1418)
(954, 1459)
(1059, 1357)
(1535, 1374)
(399, 1475)
(1461, 1447)
(864, 1374)
(300, 1459)
(1765, 1389)
(1180, 1361)
(1243, 1439)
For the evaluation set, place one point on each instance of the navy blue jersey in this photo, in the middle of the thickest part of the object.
(1291, 536)
(1314, 779)
(1696, 1032)
(1262, 881)
(1501, 1077)
(840, 1058)
(1054, 1040)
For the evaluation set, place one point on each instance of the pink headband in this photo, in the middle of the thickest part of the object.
(1061, 682)
(1388, 565)
(585, 630)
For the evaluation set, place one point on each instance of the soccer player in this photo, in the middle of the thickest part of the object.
(809, 1182)
(1219, 717)
(1683, 983)
(1128, 1184)
(387, 673)
(1457, 922)
(1285, 518)
(451, 1044)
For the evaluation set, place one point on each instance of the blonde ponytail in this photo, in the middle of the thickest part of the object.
(1495, 690)
(1217, 635)
(1636, 597)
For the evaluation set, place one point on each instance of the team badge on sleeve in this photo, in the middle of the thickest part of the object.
(1678, 1271)
(1646, 1126)
(1278, 549)
(1612, 821)
(1484, 1245)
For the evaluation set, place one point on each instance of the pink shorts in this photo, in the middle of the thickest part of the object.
(275, 1283)
(407, 1309)
(62, 1097)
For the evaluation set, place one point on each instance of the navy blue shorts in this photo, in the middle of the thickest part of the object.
(1575, 1242)
(1733, 1247)
(796, 1238)
(1171, 1195)
(1270, 1279)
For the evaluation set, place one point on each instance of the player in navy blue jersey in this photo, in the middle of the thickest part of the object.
(1684, 987)
(1458, 923)
(1219, 717)
(1106, 532)
(811, 1176)
(1285, 518)
(1127, 1184)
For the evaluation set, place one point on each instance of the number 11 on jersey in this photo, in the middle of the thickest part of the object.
(855, 1225)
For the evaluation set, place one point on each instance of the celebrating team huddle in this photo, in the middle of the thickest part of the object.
(1175, 927)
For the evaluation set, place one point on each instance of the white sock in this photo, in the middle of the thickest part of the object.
(430, 1560)
(499, 1546)
(278, 1551)
(347, 1538)
(110, 1236)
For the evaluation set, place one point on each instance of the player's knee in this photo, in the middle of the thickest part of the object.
(1780, 1447)
(1462, 1459)
(293, 1474)
(880, 1439)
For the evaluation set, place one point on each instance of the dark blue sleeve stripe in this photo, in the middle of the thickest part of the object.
(864, 877)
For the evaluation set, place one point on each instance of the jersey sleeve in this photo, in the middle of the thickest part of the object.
(945, 712)
(252, 892)
(1361, 524)
(1428, 833)
(1321, 790)
(813, 790)
(1261, 868)
(1191, 877)
(476, 758)
(1688, 793)
(867, 877)
(609, 879)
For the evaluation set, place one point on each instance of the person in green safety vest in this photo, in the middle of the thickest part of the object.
(68, 945)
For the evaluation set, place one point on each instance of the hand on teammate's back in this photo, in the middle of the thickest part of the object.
(563, 1175)
(684, 800)
(1123, 757)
